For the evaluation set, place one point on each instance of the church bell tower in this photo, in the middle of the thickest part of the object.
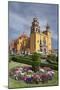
(49, 42)
(35, 36)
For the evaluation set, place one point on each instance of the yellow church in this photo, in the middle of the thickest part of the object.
(37, 41)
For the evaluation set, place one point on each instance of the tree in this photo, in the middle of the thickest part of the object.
(35, 61)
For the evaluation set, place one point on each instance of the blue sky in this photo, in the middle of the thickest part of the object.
(22, 14)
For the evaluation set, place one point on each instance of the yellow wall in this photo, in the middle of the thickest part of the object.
(32, 42)
(19, 44)
(37, 42)
(35, 38)
(41, 37)
(49, 42)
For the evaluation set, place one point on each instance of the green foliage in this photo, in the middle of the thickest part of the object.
(52, 59)
(21, 59)
(35, 61)
(55, 67)
(10, 58)
(30, 60)
(35, 57)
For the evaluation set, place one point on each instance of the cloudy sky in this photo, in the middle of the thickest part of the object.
(22, 14)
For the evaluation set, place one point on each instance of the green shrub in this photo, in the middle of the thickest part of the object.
(35, 57)
(52, 59)
(55, 67)
(35, 61)
(22, 60)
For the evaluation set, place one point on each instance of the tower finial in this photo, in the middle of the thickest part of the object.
(35, 19)
(47, 27)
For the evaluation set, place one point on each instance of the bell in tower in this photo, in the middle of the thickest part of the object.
(35, 26)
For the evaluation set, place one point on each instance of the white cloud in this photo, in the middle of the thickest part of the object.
(21, 24)
(16, 21)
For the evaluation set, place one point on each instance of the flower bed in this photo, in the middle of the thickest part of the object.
(29, 76)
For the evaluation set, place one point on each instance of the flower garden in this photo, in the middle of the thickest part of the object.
(29, 76)
(23, 75)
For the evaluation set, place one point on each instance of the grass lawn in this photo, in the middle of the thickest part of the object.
(21, 84)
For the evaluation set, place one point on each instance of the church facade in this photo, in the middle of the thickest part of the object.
(37, 41)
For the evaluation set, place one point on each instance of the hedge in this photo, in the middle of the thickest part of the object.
(22, 60)
(52, 62)
(26, 60)
(55, 67)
